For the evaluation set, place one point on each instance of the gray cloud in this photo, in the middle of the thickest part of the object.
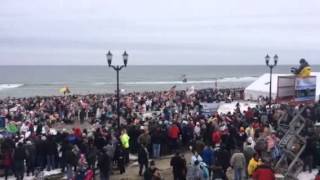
(158, 32)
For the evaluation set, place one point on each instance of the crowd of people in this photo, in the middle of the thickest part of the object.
(153, 124)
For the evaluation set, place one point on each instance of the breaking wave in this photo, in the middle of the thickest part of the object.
(222, 80)
(9, 86)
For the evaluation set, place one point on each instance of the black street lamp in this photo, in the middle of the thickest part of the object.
(271, 66)
(117, 68)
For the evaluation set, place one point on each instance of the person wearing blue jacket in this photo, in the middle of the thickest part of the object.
(207, 155)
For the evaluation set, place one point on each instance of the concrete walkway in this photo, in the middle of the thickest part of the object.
(132, 171)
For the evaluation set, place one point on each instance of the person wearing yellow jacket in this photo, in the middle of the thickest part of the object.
(124, 139)
(304, 69)
(253, 164)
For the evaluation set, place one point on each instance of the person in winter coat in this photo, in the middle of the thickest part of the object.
(208, 156)
(197, 131)
(156, 142)
(222, 157)
(196, 157)
(194, 172)
(272, 140)
(104, 162)
(253, 164)
(82, 167)
(124, 139)
(145, 138)
(119, 156)
(216, 137)
(261, 145)
(7, 162)
(92, 156)
(241, 137)
(65, 147)
(71, 161)
(308, 154)
(238, 163)
(143, 158)
(264, 172)
(51, 149)
(248, 151)
(31, 157)
(41, 152)
(179, 168)
(218, 174)
(304, 69)
(173, 135)
(19, 157)
(110, 149)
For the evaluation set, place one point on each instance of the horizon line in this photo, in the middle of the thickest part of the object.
(149, 65)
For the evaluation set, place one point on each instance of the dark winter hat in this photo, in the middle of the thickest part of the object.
(302, 60)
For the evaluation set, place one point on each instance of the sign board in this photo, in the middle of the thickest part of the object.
(209, 108)
(296, 89)
(305, 89)
(286, 88)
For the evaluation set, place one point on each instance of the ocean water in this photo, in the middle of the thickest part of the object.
(25, 81)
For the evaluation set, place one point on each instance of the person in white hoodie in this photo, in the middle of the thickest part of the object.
(24, 127)
(196, 157)
(197, 130)
(98, 113)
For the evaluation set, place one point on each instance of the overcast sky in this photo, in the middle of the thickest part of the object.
(78, 32)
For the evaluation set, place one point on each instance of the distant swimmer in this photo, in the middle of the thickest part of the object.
(304, 69)
(184, 78)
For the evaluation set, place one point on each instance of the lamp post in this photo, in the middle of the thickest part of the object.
(117, 68)
(271, 66)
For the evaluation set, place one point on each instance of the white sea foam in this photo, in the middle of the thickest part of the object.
(9, 86)
(222, 80)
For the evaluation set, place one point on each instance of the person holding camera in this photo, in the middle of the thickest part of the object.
(304, 69)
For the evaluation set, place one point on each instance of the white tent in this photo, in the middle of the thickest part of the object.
(260, 87)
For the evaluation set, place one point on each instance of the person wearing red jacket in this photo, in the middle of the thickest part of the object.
(173, 134)
(216, 137)
(264, 172)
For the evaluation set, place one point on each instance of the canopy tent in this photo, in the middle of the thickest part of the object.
(260, 87)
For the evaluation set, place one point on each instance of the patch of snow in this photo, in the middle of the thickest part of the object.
(46, 173)
(308, 176)
(133, 157)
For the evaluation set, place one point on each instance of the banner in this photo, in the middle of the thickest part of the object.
(305, 89)
(296, 89)
(209, 108)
